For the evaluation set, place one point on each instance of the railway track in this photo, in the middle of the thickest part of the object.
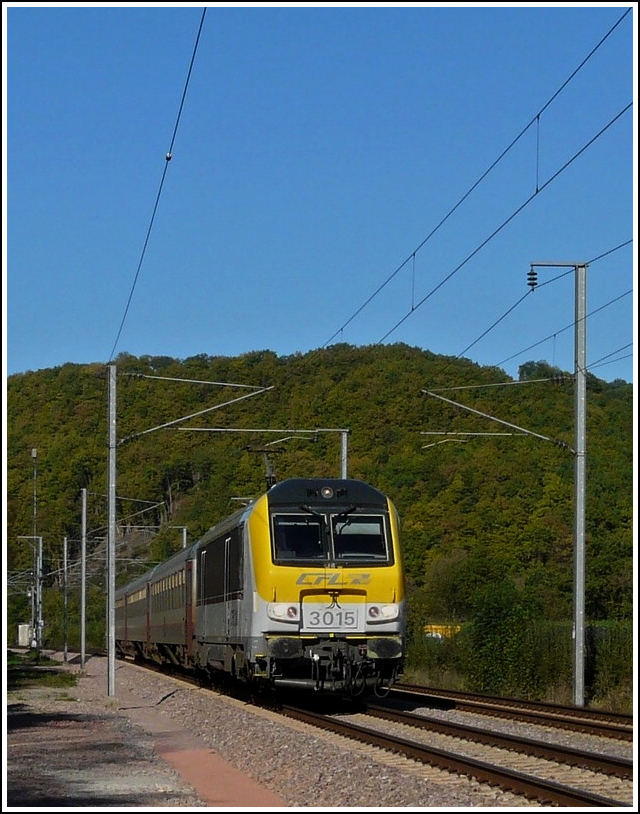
(534, 772)
(614, 766)
(579, 719)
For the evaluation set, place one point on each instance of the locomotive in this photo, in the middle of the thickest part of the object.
(301, 588)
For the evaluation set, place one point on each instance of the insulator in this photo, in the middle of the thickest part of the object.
(532, 279)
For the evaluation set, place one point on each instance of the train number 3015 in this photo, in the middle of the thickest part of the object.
(332, 618)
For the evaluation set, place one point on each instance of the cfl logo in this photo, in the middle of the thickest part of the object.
(333, 579)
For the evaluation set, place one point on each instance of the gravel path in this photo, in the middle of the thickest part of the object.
(83, 753)
(80, 747)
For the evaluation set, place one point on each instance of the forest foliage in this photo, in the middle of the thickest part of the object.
(480, 506)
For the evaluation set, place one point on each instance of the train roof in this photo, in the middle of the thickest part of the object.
(334, 490)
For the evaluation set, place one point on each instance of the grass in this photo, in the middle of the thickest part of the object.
(33, 671)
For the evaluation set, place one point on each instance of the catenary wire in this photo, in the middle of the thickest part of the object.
(507, 149)
(566, 327)
(507, 221)
(521, 299)
(548, 282)
(157, 201)
(168, 157)
(601, 361)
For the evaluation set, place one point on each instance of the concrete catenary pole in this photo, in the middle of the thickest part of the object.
(39, 620)
(65, 655)
(83, 582)
(34, 578)
(111, 540)
(580, 479)
(580, 468)
(343, 453)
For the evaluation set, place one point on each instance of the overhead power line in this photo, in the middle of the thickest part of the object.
(507, 221)
(566, 327)
(534, 120)
(547, 282)
(168, 158)
(601, 361)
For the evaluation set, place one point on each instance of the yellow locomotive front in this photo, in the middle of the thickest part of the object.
(329, 603)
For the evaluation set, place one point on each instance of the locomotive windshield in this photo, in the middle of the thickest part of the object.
(332, 538)
(359, 537)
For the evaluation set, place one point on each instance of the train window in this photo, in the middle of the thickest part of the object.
(298, 537)
(359, 537)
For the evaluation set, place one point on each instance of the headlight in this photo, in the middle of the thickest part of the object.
(382, 613)
(283, 612)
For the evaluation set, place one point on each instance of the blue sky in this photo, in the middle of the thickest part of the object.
(318, 150)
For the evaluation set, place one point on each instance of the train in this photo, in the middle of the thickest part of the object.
(303, 587)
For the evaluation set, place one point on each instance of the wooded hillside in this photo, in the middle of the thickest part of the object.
(475, 509)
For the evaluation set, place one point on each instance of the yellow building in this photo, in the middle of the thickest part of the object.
(441, 631)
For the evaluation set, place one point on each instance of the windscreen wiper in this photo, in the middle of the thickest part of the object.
(346, 511)
(306, 508)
